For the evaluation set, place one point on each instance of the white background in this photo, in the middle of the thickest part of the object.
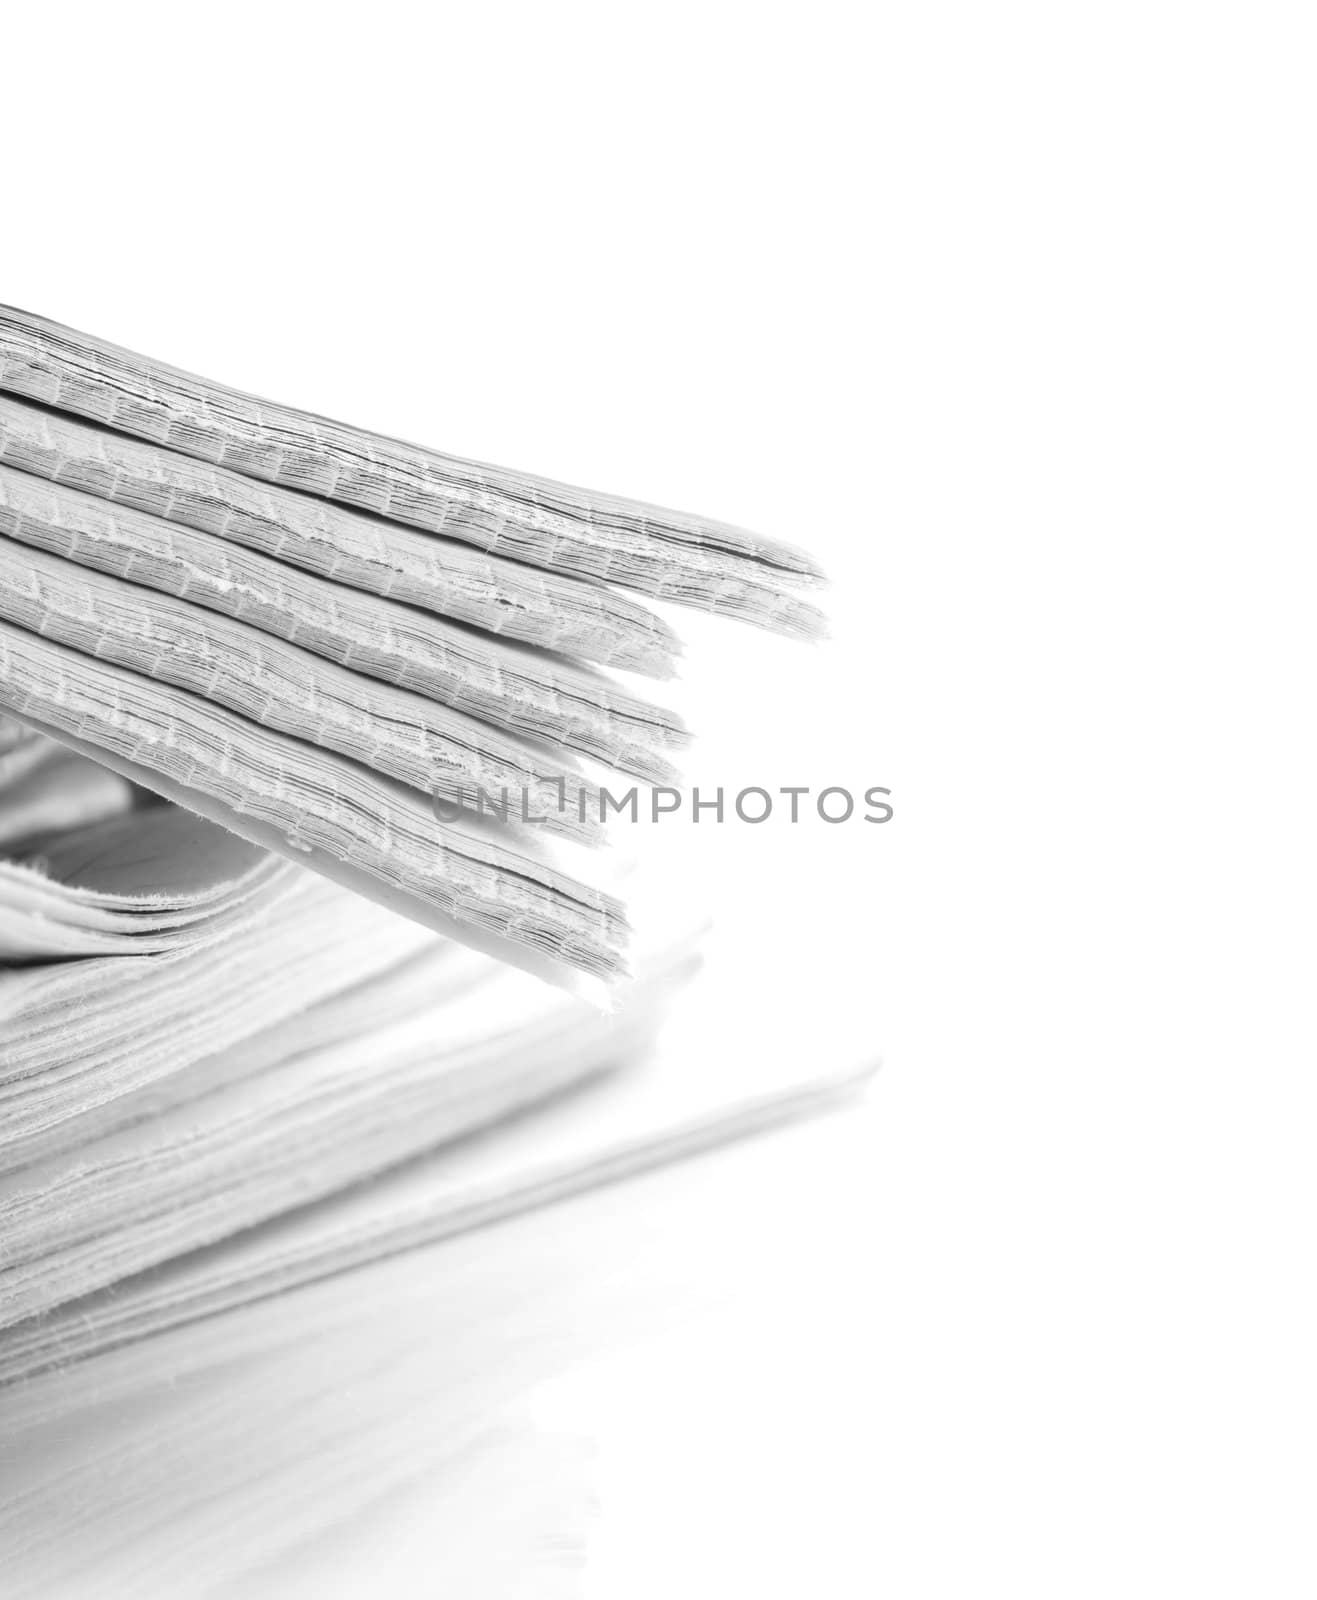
(1008, 312)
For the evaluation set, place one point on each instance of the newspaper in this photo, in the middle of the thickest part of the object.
(224, 1076)
(272, 970)
(554, 526)
(386, 664)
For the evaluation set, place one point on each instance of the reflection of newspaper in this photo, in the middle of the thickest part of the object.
(334, 644)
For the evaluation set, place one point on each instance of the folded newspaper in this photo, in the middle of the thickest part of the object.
(297, 733)
(378, 659)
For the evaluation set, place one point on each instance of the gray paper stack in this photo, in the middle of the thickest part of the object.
(261, 1012)
(223, 1075)
(339, 645)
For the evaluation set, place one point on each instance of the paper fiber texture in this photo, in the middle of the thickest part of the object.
(399, 734)
(381, 662)
(692, 560)
(312, 799)
(509, 685)
(587, 620)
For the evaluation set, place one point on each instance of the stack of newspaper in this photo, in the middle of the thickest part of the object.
(342, 646)
(298, 772)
